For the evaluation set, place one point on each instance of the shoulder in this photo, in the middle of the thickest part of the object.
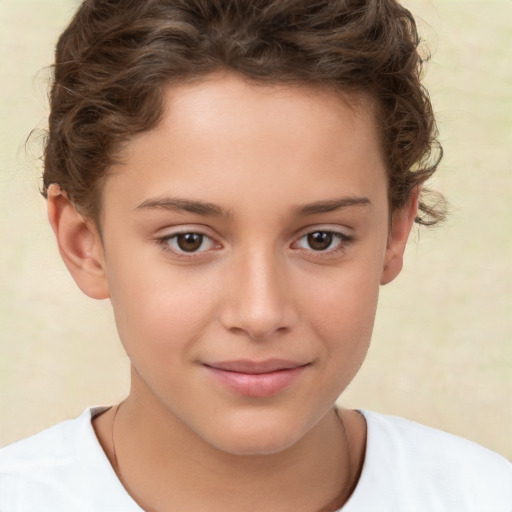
(49, 447)
(446, 471)
(411, 438)
(52, 447)
(54, 469)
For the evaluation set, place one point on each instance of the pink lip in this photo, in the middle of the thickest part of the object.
(256, 379)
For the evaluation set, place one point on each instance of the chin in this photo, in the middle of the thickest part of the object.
(256, 445)
(257, 436)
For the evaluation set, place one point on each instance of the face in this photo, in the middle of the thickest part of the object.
(244, 241)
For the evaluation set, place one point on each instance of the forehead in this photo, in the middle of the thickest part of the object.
(226, 137)
(230, 108)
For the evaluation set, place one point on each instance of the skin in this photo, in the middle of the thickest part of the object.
(256, 289)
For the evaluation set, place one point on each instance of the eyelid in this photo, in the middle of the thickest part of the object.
(345, 236)
(344, 231)
(167, 234)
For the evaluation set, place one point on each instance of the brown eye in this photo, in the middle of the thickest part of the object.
(328, 242)
(320, 240)
(189, 242)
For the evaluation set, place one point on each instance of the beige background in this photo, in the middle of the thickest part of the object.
(442, 349)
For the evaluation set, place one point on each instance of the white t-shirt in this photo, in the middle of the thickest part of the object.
(408, 468)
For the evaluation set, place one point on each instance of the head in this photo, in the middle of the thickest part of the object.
(116, 58)
(239, 178)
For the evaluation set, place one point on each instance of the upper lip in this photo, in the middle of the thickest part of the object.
(255, 367)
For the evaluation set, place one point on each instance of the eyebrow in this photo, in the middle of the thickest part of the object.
(184, 205)
(331, 205)
(213, 210)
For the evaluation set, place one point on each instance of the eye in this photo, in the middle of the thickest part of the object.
(187, 243)
(323, 241)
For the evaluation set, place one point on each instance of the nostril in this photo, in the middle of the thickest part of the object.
(259, 333)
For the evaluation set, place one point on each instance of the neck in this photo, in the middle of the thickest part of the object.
(160, 461)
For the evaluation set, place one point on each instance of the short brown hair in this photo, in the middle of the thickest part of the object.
(115, 57)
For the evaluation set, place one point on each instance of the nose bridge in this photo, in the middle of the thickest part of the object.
(259, 300)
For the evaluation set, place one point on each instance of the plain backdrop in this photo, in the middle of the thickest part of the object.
(442, 346)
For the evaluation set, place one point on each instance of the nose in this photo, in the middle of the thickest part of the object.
(258, 297)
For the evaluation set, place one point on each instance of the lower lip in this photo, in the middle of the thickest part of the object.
(257, 385)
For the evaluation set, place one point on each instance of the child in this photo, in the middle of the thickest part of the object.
(239, 178)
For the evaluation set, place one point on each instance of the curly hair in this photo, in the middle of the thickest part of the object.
(116, 56)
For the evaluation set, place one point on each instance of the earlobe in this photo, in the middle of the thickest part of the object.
(402, 222)
(79, 244)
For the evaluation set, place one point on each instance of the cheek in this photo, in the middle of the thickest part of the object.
(160, 312)
(342, 307)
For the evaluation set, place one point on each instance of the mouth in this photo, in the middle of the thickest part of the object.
(256, 378)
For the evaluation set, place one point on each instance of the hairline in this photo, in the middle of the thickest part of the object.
(352, 97)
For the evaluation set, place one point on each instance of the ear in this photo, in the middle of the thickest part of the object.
(79, 244)
(402, 221)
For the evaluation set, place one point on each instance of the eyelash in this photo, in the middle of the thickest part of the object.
(343, 240)
(164, 242)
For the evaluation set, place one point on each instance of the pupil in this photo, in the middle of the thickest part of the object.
(190, 242)
(319, 240)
